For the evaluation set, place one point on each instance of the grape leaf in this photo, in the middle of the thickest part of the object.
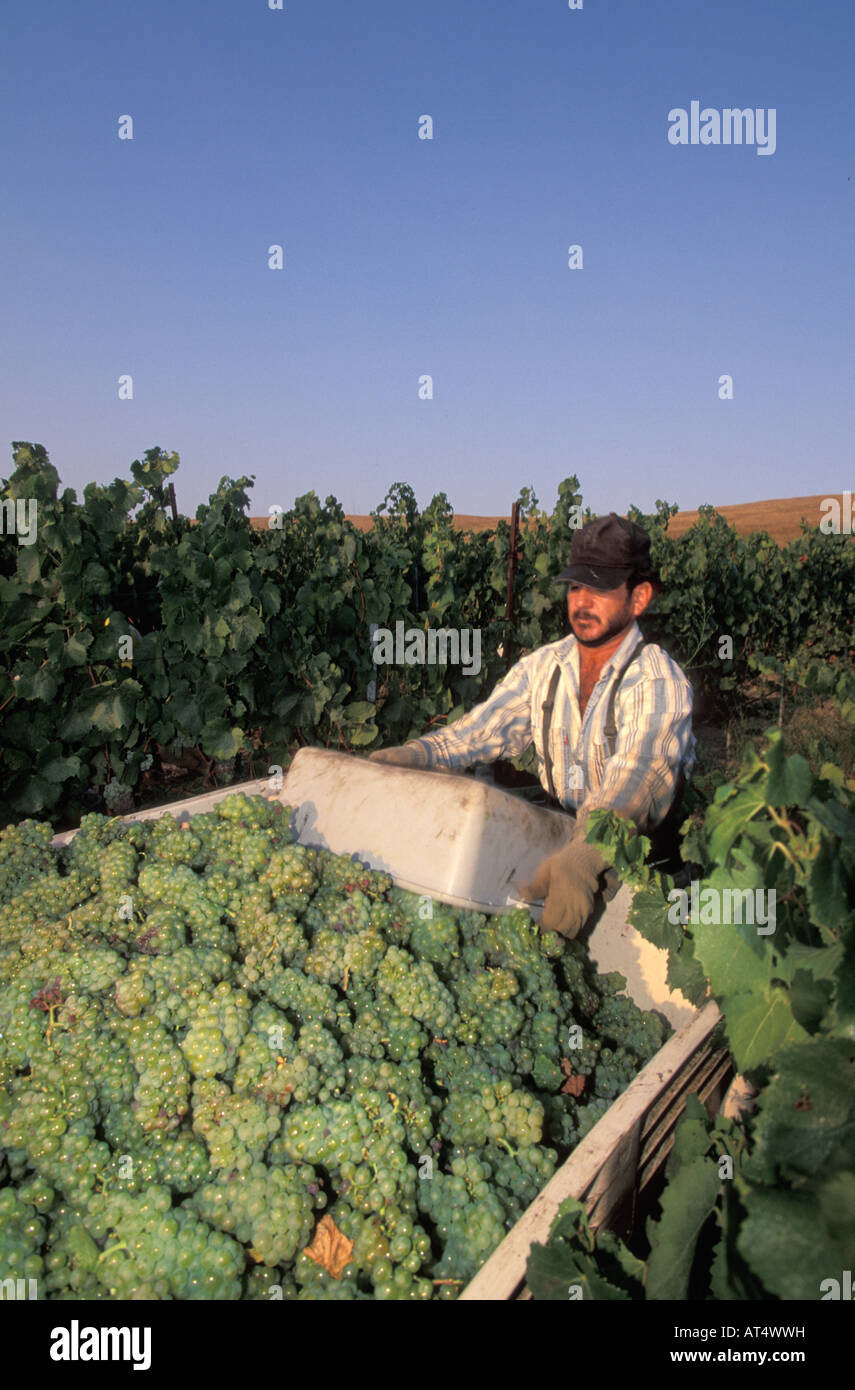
(832, 816)
(726, 823)
(837, 1203)
(687, 1203)
(34, 794)
(330, 1248)
(28, 564)
(359, 710)
(686, 975)
(758, 1024)
(76, 648)
(821, 962)
(805, 1121)
(630, 1265)
(790, 780)
(691, 1137)
(60, 769)
(810, 999)
(730, 962)
(358, 738)
(555, 1273)
(649, 915)
(789, 1246)
(829, 887)
(221, 741)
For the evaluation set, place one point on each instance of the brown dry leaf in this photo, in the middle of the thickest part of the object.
(574, 1085)
(330, 1249)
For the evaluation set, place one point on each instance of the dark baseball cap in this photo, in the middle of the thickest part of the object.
(606, 552)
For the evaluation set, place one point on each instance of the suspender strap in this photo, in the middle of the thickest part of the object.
(610, 729)
(547, 708)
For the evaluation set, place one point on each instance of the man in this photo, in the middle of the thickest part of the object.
(610, 717)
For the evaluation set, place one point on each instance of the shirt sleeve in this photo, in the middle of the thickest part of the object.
(654, 740)
(499, 727)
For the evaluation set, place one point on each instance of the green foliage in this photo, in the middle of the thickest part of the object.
(236, 641)
(760, 1208)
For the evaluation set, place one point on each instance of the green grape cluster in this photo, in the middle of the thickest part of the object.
(272, 1210)
(267, 1283)
(133, 1171)
(290, 874)
(162, 1091)
(236, 1127)
(501, 1112)
(183, 1162)
(165, 931)
(344, 875)
(490, 1003)
(518, 1175)
(414, 1105)
(218, 1023)
(365, 1034)
(325, 959)
(22, 1234)
(186, 891)
(330, 1133)
(267, 937)
(403, 1037)
(435, 938)
(468, 1217)
(49, 900)
(253, 812)
(96, 832)
(25, 854)
(213, 1039)
(390, 1254)
(344, 912)
(152, 1249)
(170, 845)
(363, 953)
(460, 1068)
(171, 985)
(248, 854)
(589, 1115)
(308, 1000)
(614, 1070)
(621, 1023)
(417, 990)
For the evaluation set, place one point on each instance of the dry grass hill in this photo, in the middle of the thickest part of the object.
(781, 517)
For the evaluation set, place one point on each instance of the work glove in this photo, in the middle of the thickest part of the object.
(412, 754)
(568, 881)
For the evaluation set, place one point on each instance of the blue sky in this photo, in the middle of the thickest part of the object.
(447, 257)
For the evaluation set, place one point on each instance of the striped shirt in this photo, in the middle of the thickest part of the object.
(653, 718)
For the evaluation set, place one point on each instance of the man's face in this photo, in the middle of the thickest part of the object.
(598, 616)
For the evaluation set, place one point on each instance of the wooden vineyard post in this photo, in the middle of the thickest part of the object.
(512, 574)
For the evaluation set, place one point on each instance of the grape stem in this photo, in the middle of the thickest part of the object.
(111, 1249)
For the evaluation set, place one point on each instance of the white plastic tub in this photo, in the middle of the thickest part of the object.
(457, 838)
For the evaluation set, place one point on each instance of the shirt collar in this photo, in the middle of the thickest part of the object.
(617, 659)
